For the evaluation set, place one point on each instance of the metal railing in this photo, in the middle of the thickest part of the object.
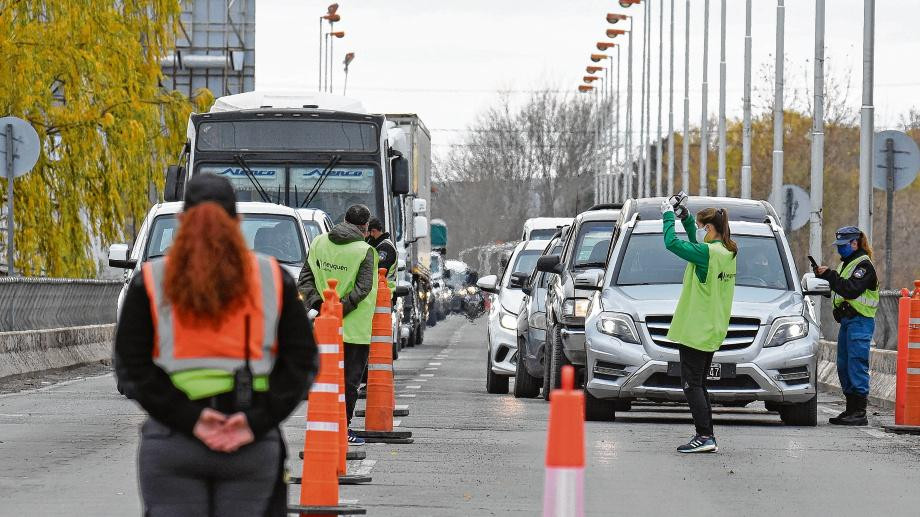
(44, 303)
(886, 321)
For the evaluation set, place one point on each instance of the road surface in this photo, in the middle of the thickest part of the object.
(70, 446)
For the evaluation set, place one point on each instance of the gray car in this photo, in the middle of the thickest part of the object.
(770, 352)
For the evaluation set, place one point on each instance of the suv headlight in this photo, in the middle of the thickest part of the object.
(575, 307)
(787, 329)
(509, 321)
(537, 320)
(618, 325)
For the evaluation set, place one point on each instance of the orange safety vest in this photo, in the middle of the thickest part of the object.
(181, 348)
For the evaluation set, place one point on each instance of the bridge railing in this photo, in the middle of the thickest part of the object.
(50, 303)
(886, 321)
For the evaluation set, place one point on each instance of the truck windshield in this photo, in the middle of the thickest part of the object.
(542, 234)
(647, 262)
(592, 244)
(286, 135)
(344, 186)
(275, 235)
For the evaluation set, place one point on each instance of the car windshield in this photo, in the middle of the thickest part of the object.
(313, 230)
(542, 234)
(525, 262)
(274, 235)
(592, 244)
(646, 262)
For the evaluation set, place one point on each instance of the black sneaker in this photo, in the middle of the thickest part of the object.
(700, 444)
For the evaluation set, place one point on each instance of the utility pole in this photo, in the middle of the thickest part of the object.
(671, 107)
(628, 166)
(746, 124)
(704, 123)
(685, 159)
(658, 152)
(867, 121)
(648, 101)
(642, 120)
(817, 145)
(721, 187)
(777, 192)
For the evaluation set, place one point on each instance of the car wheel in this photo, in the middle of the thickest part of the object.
(803, 414)
(546, 365)
(599, 410)
(525, 385)
(622, 405)
(558, 360)
(396, 350)
(432, 317)
(736, 403)
(419, 335)
(495, 384)
(772, 406)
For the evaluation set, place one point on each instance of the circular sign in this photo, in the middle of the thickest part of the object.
(799, 207)
(25, 145)
(905, 159)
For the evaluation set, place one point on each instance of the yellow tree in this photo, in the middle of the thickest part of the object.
(86, 74)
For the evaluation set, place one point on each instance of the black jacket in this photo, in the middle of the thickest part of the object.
(148, 384)
(342, 233)
(863, 278)
(385, 250)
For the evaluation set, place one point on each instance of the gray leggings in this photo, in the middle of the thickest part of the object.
(180, 476)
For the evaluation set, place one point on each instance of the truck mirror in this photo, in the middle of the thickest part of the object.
(175, 183)
(400, 185)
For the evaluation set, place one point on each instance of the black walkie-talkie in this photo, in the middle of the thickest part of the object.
(242, 377)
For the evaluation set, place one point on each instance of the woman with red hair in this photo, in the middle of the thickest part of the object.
(214, 344)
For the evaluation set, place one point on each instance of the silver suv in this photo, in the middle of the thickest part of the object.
(770, 352)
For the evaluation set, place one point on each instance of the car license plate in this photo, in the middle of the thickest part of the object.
(715, 372)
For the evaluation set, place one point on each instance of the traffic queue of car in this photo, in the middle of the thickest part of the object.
(600, 295)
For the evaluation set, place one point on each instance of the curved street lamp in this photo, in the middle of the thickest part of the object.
(605, 45)
(629, 3)
(349, 57)
(597, 58)
(593, 69)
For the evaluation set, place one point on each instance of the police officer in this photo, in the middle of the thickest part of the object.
(386, 251)
(215, 346)
(855, 298)
(343, 254)
(701, 318)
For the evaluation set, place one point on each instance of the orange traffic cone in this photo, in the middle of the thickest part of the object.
(378, 419)
(336, 307)
(563, 490)
(319, 480)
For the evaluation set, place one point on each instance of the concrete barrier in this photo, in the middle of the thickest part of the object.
(882, 372)
(28, 351)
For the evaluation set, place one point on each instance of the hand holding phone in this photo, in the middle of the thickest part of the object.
(814, 265)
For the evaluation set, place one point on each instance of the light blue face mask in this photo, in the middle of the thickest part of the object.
(701, 234)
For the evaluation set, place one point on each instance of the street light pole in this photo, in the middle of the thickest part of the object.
(671, 107)
(641, 179)
(777, 191)
(704, 123)
(685, 159)
(817, 144)
(616, 133)
(628, 175)
(746, 124)
(721, 187)
(867, 120)
(658, 152)
(648, 101)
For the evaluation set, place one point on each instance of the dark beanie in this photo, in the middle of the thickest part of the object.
(210, 187)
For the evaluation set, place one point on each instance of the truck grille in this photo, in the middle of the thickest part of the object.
(741, 332)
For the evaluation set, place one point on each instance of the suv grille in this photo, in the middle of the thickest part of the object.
(741, 332)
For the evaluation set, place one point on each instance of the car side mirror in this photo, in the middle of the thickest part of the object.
(118, 257)
(400, 183)
(527, 290)
(518, 280)
(589, 280)
(814, 286)
(401, 265)
(174, 189)
(400, 290)
(549, 264)
(488, 283)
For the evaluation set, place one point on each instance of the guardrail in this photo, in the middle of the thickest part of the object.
(886, 321)
(49, 303)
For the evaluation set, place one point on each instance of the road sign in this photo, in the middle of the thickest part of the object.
(26, 146)
(798, 206)
(19, 148)
(906, 159)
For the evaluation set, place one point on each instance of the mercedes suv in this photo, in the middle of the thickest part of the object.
(770, 352)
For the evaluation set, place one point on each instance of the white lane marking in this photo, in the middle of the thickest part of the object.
(406, 395)
(346, 502)
(426, 375)
(12, 415)
(875, 433)
(419, 380)
(414, 387)
(431, 368)
(396, 423)
(434, 364)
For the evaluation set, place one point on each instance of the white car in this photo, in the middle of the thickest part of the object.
(506, 303)
(315, 222)
(543, 228)
(268, 228)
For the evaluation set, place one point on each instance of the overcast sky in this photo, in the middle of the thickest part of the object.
(447, 59)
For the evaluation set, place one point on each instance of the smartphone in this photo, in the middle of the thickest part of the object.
(814, 265)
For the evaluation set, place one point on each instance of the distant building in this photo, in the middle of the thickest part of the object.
(215, 48)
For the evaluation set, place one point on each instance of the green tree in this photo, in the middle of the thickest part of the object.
(86, 74)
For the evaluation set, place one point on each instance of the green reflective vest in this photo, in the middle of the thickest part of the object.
(341, 261)
(867, 303)
(705, 308)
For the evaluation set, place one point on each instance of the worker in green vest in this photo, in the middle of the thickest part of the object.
(343, 255)
(701, 318)
(855, 298)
